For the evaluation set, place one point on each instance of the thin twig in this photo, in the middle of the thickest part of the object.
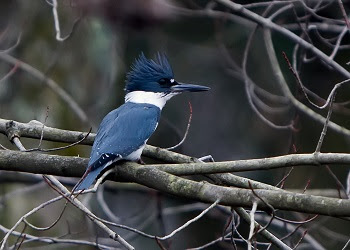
(280, 184)
(305, 91)
(21, 236)
(10, 73)
(344, 13)
(42, 130)
(3, 147)
(8, 50)
(293, 37)
(247, 82)
(186, 132)
(59, 148)
(20, 244)
(213, 242)
(338, 182)
(105, 208)
(52, 224)
(190, 221)
(348, 184)
(252, 224)
(34, 210)
(113, 235)
(269, 236)
(301, 238)
(234, 227)
(297, 222)
(268, 205)
(337, 45)
(53, 240)
(346, 245)
(57, 23)
(282, 82)
(324, 130)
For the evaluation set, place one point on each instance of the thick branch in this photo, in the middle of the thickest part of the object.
(154, 178)
(256, 164)
(206, 192)
(34, 129)
(75, 166)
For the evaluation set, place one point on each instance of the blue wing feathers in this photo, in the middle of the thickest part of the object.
(122, 131)
(125, 130)
(103, 161)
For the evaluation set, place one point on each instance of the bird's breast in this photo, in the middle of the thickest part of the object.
(136, 155)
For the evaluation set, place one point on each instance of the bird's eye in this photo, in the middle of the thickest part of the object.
(162, 81)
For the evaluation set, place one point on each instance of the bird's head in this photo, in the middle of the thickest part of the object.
(148, 75)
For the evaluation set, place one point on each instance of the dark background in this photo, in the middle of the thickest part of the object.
(91, 66)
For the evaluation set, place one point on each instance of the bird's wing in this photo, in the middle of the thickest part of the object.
(122, 131)
(125, 130)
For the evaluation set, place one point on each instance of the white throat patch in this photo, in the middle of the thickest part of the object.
(157, 99)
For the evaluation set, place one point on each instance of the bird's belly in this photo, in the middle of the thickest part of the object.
(134, 156)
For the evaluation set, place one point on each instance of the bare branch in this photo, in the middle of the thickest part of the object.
(186, 132)
(75, 166)
(284, 86)
(245, 216)
(325, 126)
(49, 82)
(57, 186)
(113, 235)
(270, 25)
(153, 177)
(344, 13)
(51, 240)
(190, 221)
(252, 224)
(346, 245)
(57, 23)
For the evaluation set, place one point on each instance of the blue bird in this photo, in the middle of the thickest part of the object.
(123, 132)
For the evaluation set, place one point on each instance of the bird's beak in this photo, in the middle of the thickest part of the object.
(182, 87)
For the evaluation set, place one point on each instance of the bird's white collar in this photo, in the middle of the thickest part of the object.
(158, 99)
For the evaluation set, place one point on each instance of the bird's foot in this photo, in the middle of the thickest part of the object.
(207, 158)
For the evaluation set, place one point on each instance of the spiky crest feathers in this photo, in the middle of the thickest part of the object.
(145, 72)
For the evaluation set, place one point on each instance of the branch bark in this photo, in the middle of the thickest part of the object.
(153, 177)
(162, 177)
(75, 166)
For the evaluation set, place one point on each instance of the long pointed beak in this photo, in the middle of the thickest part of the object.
(182, 87)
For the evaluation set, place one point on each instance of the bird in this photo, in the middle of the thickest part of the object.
(123, 132)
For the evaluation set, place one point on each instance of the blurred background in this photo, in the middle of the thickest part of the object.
(104, 38)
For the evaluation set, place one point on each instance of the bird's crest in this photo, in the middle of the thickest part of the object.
(145, 71)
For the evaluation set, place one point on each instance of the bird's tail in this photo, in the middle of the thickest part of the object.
(94, 170)
(87, 179)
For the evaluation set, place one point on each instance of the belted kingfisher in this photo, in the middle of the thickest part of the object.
(123, 132)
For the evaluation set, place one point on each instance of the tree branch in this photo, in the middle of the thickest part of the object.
(155, 178)
(75, 166)
(267, 23)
